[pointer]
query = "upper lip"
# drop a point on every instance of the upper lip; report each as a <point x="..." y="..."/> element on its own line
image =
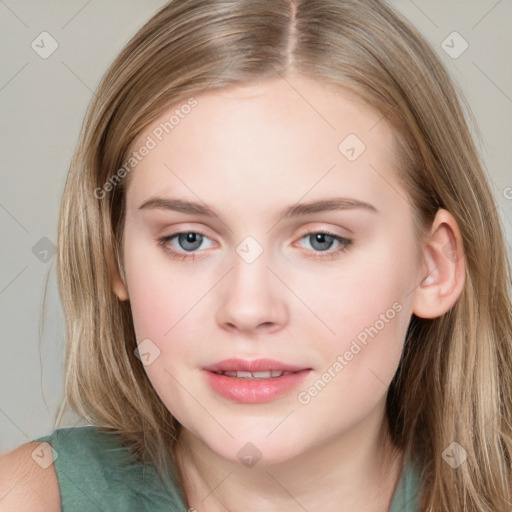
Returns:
<point x="255" y="365"/>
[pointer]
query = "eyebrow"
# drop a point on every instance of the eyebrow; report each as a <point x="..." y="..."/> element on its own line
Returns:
<point x="324" y="205"/>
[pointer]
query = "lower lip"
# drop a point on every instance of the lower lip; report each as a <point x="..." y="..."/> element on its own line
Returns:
<point x="254" y="391"/>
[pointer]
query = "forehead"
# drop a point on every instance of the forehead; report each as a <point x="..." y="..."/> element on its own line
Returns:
<point x="283" y="136"/>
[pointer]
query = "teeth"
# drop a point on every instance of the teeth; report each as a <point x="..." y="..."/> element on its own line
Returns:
<point x="228" y="374"/>
<point x="254" y="375"/>
<point x="262" y="375"/>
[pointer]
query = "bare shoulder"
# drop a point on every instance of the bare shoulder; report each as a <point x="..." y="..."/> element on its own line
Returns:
<point x="28" y="480"/>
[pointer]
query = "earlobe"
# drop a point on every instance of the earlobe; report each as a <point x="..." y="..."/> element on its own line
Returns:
<point x="116" y="282"/>
<point x="443" y="277"/>
<point x="119" y="287"/>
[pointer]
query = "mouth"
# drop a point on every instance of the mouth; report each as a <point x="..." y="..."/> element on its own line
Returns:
<point x="270" y="374"/>
<point x="256" y="381"/>
<point x="256" y="367"/>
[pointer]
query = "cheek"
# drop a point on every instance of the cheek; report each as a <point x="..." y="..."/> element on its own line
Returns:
<point x="360" y="359"/>
<point x="157" y="296"/>
<point x="159" y="303"/>
<point x="363" y="310"/>
<point x="152" y="309"/>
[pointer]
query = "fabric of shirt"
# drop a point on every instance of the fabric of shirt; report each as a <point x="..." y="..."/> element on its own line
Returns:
<point x="96" y="472"/>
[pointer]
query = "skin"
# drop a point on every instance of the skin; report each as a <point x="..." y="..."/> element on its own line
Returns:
<point x="248" y="152"/>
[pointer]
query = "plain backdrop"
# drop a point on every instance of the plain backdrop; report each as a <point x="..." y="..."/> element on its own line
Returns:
<point x="42" y="104"/>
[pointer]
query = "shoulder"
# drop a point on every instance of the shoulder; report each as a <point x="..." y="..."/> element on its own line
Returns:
<point x="28" y="480"/>
<point x="84" y="468"/>
<point x="43" y="474"/>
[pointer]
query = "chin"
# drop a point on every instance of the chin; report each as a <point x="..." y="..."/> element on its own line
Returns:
<point x="250" y="450"/>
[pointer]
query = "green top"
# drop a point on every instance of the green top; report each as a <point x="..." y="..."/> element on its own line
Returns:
<point x="97" y="473"/>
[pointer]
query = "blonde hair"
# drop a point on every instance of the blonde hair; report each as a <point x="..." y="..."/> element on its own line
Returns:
<point x="454" y="382"/>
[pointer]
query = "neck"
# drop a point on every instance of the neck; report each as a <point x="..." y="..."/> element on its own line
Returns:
<point x="356" y="471"/>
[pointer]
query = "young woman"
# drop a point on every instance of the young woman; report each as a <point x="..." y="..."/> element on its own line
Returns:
<point x="284" y="277"/>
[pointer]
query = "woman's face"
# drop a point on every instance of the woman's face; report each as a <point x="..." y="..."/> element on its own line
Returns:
<point x="300" y="249"/>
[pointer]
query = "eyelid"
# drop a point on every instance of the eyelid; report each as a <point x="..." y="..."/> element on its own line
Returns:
<point x="309" y="229"/>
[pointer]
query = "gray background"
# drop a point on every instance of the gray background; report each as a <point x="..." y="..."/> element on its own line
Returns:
<point x="42" y="104"/>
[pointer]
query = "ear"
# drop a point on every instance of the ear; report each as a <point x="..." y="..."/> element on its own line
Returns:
<point x="117" y="283"/>
<point x="444" y="273"/>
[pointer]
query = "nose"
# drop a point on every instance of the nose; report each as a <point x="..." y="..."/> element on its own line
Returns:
<point x="252" y="299"/>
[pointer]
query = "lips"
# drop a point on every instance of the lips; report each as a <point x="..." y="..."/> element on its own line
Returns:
<point x="256" y="381"/>
<point x="270" y="374"/>
<point x="254" y="366"/>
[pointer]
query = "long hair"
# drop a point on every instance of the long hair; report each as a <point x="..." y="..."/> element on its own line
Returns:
<point x="454" y="381"/>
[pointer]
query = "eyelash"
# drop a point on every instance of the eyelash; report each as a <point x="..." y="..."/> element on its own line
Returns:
<point x="346" y="243"/>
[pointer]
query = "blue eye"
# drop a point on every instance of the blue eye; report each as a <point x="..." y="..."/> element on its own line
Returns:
<point x="190" y="241"/>
<point x="187" y="240"/>
<point x="322" y="241"/>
